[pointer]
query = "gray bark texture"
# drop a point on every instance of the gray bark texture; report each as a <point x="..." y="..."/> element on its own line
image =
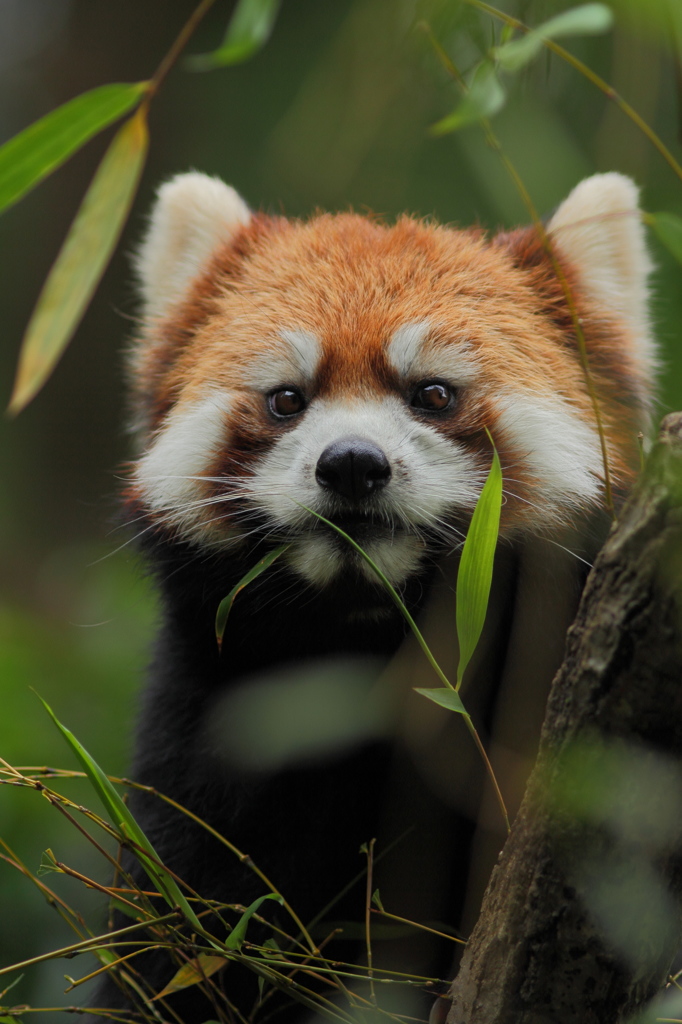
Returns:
<point x="581" y="919"/>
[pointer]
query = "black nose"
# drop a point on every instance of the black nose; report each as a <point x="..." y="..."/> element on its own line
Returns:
<point x="353" y="467"/>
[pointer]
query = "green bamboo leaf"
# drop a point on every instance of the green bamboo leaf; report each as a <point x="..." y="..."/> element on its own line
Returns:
<point x="225" y="605"/>
<point x="485" y="97"/>
<point x="82" y="259"/>
<point x="48" y="862"/>
<point x="122" y="819"/>
<point x="668" y="228"/>
<point x="42" y="147"/>
<point x="193" y="973"/>
<point x="449" y="699"/>
<point x="250" y="28"/>
<point x="236" y="937"/>
<point x="588" y="19"/>
<point x="272" y="950"/>
<point x="476" y="566"/>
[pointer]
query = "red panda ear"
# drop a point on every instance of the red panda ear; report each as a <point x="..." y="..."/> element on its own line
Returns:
<point x="193" y="215"/>
<point x="598" y="234"/>
<point x="598" y="231"/>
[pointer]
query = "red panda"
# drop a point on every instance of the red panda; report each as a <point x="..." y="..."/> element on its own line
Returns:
<point x="354" y="369"/>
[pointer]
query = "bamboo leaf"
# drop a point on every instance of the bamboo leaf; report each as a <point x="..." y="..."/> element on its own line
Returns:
<point x="668" y="228"/>
<point x="476" y="566"/>
<point x="193" y="973"/>
<point x="449" y="699"/>
<point x="236" y="937"/>
<point x="42" y="147"/>
<point x="225" y="605"/>
<point x="485" y="97"/>
<point x="249" y="30"/>
<point x="122" y="819"/>
<point x="48" y="862"/>
<point x="588" y="19"/>
<point x="82" y="259"/>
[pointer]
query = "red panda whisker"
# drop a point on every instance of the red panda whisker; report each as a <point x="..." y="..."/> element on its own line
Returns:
<point x="131" y="540"/>
<point x="568" y="551"/>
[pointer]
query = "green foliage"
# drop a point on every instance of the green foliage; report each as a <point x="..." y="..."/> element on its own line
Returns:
<point x="194" y="972"/>
<point x="483" y="99"/>
<point x="588" y="19"/>
<point x="38" y="150"/>
<point x="277" y="962"/>
<point x="82" y="260"/>
<point x="250" y="28"/>
<point x="42" y="147"/>
<point x="474" y="578"/>
<point x="476" y="566"/>
<point x="485" y="96"/>
<point x="445" y="697"/>
<point x="236" y="937"/>
<point x="124" y="822"/>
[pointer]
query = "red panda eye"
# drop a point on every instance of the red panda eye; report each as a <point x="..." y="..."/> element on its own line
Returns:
<point x="286" y="402"/>
<point x="433" y="397"/>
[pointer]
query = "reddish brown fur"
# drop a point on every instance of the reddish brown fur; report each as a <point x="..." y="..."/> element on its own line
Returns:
<point x="352" y="282"/>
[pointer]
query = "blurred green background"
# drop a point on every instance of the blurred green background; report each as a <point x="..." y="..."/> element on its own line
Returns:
<point x="333" y="113"/>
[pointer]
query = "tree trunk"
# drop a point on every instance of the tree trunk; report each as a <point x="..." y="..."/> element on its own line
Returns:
<point x="581" y="918"/>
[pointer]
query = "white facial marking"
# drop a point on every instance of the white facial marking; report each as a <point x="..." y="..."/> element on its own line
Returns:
<point x="316" y="558"/>
<point x="561" y="451"/>
<point x="183" y="451"/>
<point x="294" y="360"/>
<point x="397" y="558"/>
<point x="406" y="345"/>
<point x="320" y="558"/>
<point x="416" y="356"/>
<point x="431" y="477"/>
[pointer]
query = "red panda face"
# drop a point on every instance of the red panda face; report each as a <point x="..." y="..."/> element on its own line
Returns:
<point x="350" y="369"/>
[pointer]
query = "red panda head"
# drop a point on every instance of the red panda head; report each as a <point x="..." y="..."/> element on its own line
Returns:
<point x="354" y="368"/>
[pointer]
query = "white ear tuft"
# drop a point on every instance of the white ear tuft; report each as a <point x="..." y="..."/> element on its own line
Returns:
<point x="193" y="215"/>
<point x="599" y="230"/>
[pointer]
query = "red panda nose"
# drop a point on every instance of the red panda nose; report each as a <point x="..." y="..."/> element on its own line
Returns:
<point x="353" y="467"/>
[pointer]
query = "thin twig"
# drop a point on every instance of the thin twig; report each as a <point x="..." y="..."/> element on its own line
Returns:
<point x="88" y="944"/>
<point x="369" y="850"/>
<point x="178" y="46"/>
<point x="422" y="927"/>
